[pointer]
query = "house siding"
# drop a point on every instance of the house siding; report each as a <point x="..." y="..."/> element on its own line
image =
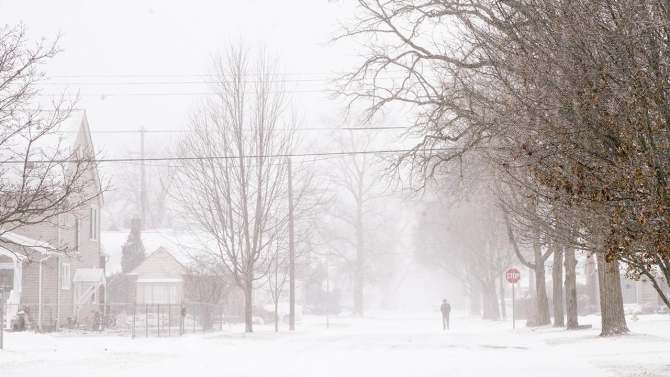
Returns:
<point x="58" y="303"/>
<point x="30" y="292"/>
<point x="159" y="265"/>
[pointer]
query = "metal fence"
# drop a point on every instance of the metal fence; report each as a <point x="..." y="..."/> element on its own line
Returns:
<point x="125" y="319"/>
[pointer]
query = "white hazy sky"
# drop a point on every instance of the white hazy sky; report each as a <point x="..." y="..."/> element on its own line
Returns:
<point x="136" y="63"/>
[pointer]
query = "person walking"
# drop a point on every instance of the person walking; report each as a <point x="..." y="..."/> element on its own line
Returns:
<point x="445" y="309"/>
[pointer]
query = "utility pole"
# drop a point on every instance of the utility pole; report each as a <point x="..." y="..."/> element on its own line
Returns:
<point x="143" y="183"/>
<point x="327" y="292"/>
<point x="291" y="250"/>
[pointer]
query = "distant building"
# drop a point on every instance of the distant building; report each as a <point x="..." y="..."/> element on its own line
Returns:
<point x="157" y="280"/>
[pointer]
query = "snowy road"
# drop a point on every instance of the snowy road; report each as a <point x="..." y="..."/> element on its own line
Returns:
<point x="388" y="346"/>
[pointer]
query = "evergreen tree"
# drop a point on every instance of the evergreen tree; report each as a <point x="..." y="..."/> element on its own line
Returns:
<point x="132" y="252"/>
<point x="117" y="288"/>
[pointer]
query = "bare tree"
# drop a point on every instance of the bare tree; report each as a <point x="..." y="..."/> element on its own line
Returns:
<point x="353" y="210"/>
<point x="279" y="269"/>
<point x="42" y="175"/>
<point x="204" y="286"/>
<point x="124" y="201"/>
<point x="573" y="92"/>
<point x="233" y="181"/>
<point x="278" y="275"/>
<point x="467" y="240"/>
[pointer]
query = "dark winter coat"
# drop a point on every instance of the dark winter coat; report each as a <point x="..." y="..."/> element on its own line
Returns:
<point x="445" y="309"/>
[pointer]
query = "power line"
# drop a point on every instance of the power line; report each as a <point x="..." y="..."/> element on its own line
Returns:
<point x="181" y="82"/>
<point x="325" y="79"/>
<point x="279" y="129"/>
<point x="282" y="162"/>
<point x="189" y="75"/>
<point x="204" y="158"/>
<point x="165" y="94"/>
<point x="205" y="75"/>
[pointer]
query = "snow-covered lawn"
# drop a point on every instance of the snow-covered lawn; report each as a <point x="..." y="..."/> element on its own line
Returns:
<point x="389" y="345"/>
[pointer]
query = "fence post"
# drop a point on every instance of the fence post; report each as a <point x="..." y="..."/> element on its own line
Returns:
<point x="146" y="319"/>
<point x="221" y="321"/>
<point x="169" y="319"/>
<point x="158" y="316"/>
<point x="193" y="321"/>
<point x="134" y="316"/>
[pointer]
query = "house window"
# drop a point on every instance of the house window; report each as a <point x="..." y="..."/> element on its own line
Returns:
<point x="173" y="294"/>
<point x="65" y="277"/>
<point x="148" y="294"/>
<point x="163" y="295"/>
<point x="77" y="234"/>
<point x="159" y="294"/>
<point x="94" y="224"/>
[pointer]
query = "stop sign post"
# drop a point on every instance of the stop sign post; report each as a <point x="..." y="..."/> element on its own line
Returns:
<point x="513" y="276"/>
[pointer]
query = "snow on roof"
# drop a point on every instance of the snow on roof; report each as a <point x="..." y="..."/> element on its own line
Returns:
<point x="39" y="246"/>
<point x="181" y="245"/>
<point x="11" y="254"/>
<point x="89" y="275"/>
<point x="58" y="144"/>
<point x="159" y="280"/>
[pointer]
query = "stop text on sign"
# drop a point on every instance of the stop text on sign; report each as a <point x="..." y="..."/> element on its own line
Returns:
<point x="513" y="275"/>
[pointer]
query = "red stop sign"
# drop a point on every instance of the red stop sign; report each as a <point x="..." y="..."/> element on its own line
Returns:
<point x="513" y="275"/>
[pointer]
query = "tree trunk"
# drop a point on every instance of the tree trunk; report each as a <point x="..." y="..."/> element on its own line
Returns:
<point x="571" y="288"/>
<point x="277" y="316"/>
<point x="486" y="303"/>
<point x="491" y="310"/>
<point x="495" y="310"/>
<point x="532" y="287"/>
<point x="543" y="317"/>
<point x="503" y="309"/>
<point x="591" y="278"/>
<point x="475" y="300"/>
<point x="359" y="269"/>
<point x="248" y="308"/>
<point x="557" y="282"/>
<point x="611" y="300"/>
<point x="358" y="293"/>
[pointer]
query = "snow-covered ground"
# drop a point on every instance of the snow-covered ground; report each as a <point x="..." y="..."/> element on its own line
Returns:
<point x="389" y="345"/>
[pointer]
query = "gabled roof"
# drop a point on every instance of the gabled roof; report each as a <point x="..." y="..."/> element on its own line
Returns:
<point x="89" y="275"/>
<point x="180" y="245"/>
<point x="23" y="241"/>
<point x="59" y="144"/>
<point x="160" y="250"/>
<point x="165" y="250"/>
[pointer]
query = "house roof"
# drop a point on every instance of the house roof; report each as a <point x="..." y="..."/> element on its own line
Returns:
<point x="56" y="145"/>
<point x="89" y="275"/>
<point x="166" y="280"/>
<point x="23" y="241"/>
<point x="6" y="252"/>
<point x="180" y="245"/>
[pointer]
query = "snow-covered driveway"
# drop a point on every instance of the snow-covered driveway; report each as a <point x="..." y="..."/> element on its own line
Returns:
<point x="393" y="345"/>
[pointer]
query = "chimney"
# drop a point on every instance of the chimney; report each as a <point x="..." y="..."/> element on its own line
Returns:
<point x="136" y="225"/>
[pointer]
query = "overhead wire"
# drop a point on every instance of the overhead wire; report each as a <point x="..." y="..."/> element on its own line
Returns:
<point x="208" y="80"/>
<point x="279" y="129"/>
<point x="205" y="75"/>
<point x="163" y="94"/>
<point x="203" y="158"/>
